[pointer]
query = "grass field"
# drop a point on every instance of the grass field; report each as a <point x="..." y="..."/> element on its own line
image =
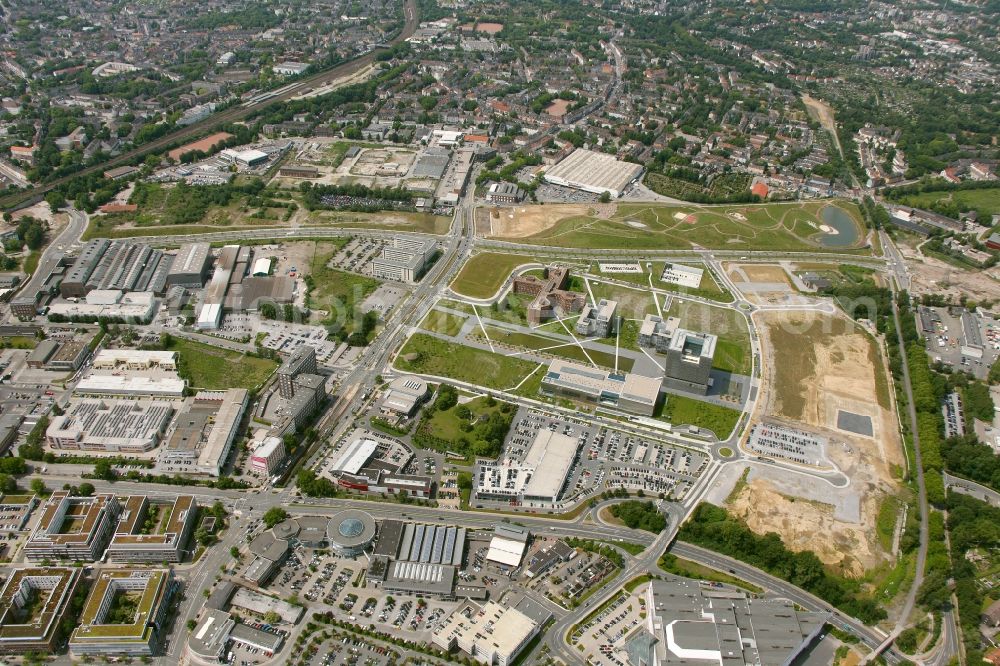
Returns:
<point x="434" y="356"/>
<point x="986" y="202"/>
<point x="772" y="226"/>
<point x="485" y="273"/>
<point x="18" y="342"/>
<point x="446" y="424"/>
<point x="569" y="351"/>
<point x="732" y="352"/>
<point x="208" y="367"/>
<point x="682" y="410"/>
<point x="446" y="323"/>
<point x="708" y="288"/>
<point x="632" y="303"/>
<point x="389" y="220"/>
<point x="335" y="291"/>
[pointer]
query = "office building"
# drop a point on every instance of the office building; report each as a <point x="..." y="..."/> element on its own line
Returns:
<point x="99" y="634"/>
<point x="404" y="259"/>
<point x="310" y="394"/>
<point x="69" y="356"/>
<point x="657" y="332"/>
<point x="206" y="646"/>
<point x="46" y="592"/>
<point x="598" y="320"/>
<point x="504" y="193"/>
<point x="73" y="528"/>
<point x="689" y="361"/>
<point x="190" y="266"/>
<point x="269" y="456"/>
<point x="551" y="298"/>
<point x="302" y="360"/>
<point x="111" y="426"/>
<point x="628" y="392"/>
<point x="268" y="551"/>
<point x="132" y="542"/>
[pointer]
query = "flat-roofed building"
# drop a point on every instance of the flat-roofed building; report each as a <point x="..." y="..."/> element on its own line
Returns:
<point x="73" y="528"/>
<point x="404" y="259"/>
<point x="625" y="391"/>
<point x="134" y="359"/>
<point x="132" y="542"/>
<point x="190" y="266"/>
<point x="504" y="193"/>
<point x="689" y="361"/>
<point x="598" y="320"/>
<point x="203" y="432"/>
<point x="551" y="298"/>
<point x="46" y="593"/>
<point x="69" y="357"/>
<point x="405" y="395"/>
<point x="594" y="172"/>
<point x="98" y="633"/>
<point x="657" y="332"/>
<point x="682" y="275"/>
<point x="41" y="354"/>
<point x="113" y="426"/>
<point x="15" y="511"/>
<point x="298" y="171"/>
<point x="302" y="360"/>
<point x="491" y="634"/>
<point x="692" y="624"/>
<point x="121" y="385"/>
<point x="539" y="477"/>
<point x="508" y="544"/>
<point x="269" y="456"/>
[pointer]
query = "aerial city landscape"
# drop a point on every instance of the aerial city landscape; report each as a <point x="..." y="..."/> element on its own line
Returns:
<point x="428" y="332"/>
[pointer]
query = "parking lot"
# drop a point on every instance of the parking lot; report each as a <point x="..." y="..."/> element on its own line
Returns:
<point x="604" y="636"/>
<point x="357" y="255"/>
<point x="607" y="458"/>
<point x="570" y="580"/>
<point x="961" y="339"/>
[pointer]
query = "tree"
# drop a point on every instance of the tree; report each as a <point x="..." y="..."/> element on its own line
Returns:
<point x="605" y="197"/>
<point x="191" y="624"/>
<point x="104" y="470"/>
<point x="272" y="617"/>
<point x="275" y="515"/>
<point x="38" y="487"/>
<point x="86" y="489"/>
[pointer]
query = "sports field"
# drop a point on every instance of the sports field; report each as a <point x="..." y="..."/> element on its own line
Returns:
<point x="772" y="226"/>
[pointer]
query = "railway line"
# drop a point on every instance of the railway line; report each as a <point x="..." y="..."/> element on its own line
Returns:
<point x="231" y="114"/>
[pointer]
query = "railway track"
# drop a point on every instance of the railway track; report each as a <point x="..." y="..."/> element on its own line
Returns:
<point x="229" y="115"/>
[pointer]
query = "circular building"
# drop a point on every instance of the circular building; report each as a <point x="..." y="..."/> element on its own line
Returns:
<point x="350" y="532"/>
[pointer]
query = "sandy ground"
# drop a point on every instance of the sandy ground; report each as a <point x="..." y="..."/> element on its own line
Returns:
<point x="930" y="275"/>
<point x="765" y="284"/>
<point x="524" y="221"/>
<point x="839" y="525"/>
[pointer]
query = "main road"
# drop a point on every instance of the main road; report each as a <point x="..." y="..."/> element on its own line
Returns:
<point x="232" y="114"/>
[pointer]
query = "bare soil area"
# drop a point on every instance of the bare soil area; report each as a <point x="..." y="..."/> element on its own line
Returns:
<point x="814" y="366"/>
<point x="931" y="275"/>
<point x="524" y="221"/>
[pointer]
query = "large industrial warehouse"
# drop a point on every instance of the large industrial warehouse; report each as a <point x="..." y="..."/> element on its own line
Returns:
<point x="594" y="172"/>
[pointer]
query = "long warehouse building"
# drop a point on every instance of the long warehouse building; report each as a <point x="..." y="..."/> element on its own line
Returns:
<point x="594" y="172"/>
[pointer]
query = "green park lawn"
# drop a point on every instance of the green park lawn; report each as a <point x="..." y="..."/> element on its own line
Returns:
<point x="446" y="323"/>
<point x="484" y="273"/>
<point x="433" y="356"/>
<point x="682" y="410"/>
<point x="771" y="226"/>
